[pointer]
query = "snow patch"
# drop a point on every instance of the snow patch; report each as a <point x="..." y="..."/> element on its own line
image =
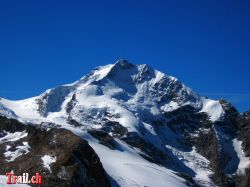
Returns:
<point x="213" y="109"/>
<point x="47" y="161"/>
<point x="20" y="150"/>
<point x="196" y="162"/>
<point x="244" y="161"/>
<point x="11" y="137"/>
<point x="102" y="71"/>
<point x="171" y="106"/>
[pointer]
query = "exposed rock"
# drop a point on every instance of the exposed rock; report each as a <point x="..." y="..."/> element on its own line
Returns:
<point x="148" y="150"/>
<point x="115" y="128"/>
<point x="243" y="180"/>
<point x="50" y="100"/>
<point x="76" y="164"/>
<point x="207" y="145"/>
<point x="71" y="104"/>
<point x="103" y="137"/>
<point x="243" y="124"/>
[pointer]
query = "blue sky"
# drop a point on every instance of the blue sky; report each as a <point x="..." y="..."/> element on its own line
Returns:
<point x="205" y="44"/>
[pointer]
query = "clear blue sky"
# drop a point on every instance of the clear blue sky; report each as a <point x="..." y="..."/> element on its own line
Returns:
<point x="205" y="44"/>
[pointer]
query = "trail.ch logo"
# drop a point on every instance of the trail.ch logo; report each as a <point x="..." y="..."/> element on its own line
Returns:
<point x="11" y="178"/>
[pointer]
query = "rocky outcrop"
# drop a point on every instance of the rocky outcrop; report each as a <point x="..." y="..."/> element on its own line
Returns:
<point x="74" y="163"/>
<point x="211" y="139"/>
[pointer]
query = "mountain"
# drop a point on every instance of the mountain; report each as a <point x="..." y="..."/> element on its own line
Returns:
<point x="147" y="128"/>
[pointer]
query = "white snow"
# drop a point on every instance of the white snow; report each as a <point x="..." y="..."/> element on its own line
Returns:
<point x="212" y="108"/>
<point x="132" y="98"/>
<point x="47" y="161"/>
<point x="23" y="110"/>
<point x="159" y="76"/>
<point x="102" y="71"/>
<point x="11" y="137"/>
<point x="88" y="99"/>
<point x="196" y="162"/>
<point x="244" y="161"/>
<point x="128" y="169"/>
<point x="5" y="111"/>
<point x="171" y="106"/>
<point x="20" y="150"/>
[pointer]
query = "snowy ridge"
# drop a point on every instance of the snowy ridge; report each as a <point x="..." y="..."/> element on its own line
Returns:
<point x="145" y="80"/>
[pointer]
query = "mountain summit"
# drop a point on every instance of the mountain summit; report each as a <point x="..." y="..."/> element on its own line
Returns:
<point x="130" y="84"/>
<point x="148" y="128"/>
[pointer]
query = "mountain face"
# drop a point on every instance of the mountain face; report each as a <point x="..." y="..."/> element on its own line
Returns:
<point x="147" y="128"/>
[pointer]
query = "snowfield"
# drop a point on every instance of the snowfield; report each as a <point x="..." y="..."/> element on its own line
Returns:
<point x="128" y="169"/>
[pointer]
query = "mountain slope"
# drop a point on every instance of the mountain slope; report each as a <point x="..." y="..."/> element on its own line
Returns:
<point x="139" y="119"/>
<point x="59" y="156"/>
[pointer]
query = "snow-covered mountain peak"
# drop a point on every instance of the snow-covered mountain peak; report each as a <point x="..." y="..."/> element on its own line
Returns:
<point x="130" y="86"/>
<point x="148" y="121"/>
<point x="123" y="64"/>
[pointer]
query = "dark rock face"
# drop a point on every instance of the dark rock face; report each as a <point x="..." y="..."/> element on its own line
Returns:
<point x="243" y="133"/>
<point x="76" y="164"/>
<point x="103" y="137"/>
<point x="243" y="125"/>
<point x="186" y="121"/>
<point x="148" y="150"/>
<point x="115" y="128"/>
<point x="208" y="146"/>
